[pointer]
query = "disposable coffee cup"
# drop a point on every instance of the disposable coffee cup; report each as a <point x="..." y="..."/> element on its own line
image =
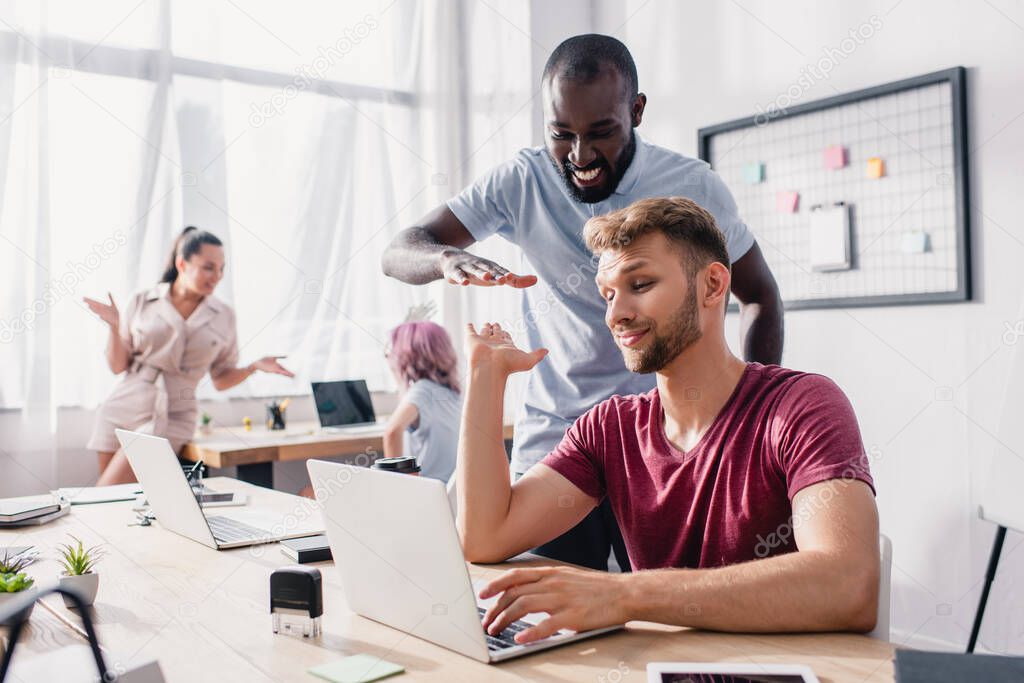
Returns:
<point x="403" y="464"/>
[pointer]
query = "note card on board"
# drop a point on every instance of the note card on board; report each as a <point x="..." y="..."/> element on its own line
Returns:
<point x="916" y="242"/>
<point x="835" y="157"/>
<point x="830" y="237"/>
<point x="753" y="173"/>
<point x="786" y="201"/>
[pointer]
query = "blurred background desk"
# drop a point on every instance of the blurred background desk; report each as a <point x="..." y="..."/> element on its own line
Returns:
<point x="254" y="452"/>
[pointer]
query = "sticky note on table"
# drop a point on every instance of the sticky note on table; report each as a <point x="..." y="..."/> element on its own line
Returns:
<point x="356" y="669"/>
<point x="876" y="167"/>
<point x="786" y="201"/>
<point x="835" y="157"/>
<point x="753" y="173"/>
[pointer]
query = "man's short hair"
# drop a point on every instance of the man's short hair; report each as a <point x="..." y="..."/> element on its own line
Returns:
<point x="580" y="59"/>
<point x="685" y="223"/>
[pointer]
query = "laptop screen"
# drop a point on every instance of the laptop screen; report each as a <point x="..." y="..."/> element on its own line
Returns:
<point x="341" y="403"/>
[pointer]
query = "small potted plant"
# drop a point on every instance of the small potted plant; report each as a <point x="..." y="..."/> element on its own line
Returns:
<point x="78" y="562"/>
<point x="205" y="426"/>
<point x="14" y="582"/>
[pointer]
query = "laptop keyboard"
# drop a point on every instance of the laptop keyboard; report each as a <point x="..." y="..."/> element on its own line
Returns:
<point x="227" y="530"/>
<point x="506" y="638"/>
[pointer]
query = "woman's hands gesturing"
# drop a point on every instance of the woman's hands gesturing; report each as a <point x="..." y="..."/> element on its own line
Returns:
<point x="108" y="313"/>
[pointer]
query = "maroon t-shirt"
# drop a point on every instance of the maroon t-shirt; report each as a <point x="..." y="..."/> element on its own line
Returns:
<point x="726" y="500"/>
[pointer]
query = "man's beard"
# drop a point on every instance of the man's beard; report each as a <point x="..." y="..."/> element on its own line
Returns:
<point x="592" y="195"/>
<point x="683" y="332"/>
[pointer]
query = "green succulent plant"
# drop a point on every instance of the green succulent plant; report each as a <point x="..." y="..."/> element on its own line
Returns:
<point x="15" y="583"/>
<point x="13" y="564"/>
<point x="77" y="559"/>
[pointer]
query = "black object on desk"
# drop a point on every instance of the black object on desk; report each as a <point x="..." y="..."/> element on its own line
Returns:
<point x="307" y="549"/>
<point x="403" y="464"/>
<point x="297" y="600"/>
<point x="275" y="416"/>
<point x="16" y="612"/>
<point x="913" y="666"/>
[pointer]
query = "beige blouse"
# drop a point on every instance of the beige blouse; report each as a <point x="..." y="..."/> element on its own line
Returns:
<point x="157" y="336"/>
<point x="169" y="357"/>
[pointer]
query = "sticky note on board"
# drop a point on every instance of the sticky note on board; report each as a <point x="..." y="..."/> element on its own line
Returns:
<point x="876" y="167"/>
<point x="753" y="173"/>
<point x="835" y="157"/>
<point x="356" y="669"/>
<point x="916" y="242"/>
<point x="787" y="201"/>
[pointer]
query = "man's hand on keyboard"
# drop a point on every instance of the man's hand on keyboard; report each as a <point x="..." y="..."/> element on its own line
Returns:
<point x="575" y="599"/>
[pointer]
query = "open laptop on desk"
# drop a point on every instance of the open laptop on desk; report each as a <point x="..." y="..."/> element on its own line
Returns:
<point x="171" y="498"/>
<point x="344" y="406"/>
<point x="394" y="543"/>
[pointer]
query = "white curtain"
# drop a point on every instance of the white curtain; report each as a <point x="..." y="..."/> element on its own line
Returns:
<point x="304" y="137"/>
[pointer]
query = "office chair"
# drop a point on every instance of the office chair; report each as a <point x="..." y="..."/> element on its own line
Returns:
<point x="881" y="630"/>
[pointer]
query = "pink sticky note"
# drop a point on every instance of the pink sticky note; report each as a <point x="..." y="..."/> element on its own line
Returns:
<point x="835" y="157"/>
<point x="786" y="202"/>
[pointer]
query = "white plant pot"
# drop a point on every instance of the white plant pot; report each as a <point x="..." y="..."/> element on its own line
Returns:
<point x="85" y="584"/>
<point x="7" y="597"/>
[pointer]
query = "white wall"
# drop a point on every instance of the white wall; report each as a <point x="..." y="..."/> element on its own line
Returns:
<point x="927" y="381"/>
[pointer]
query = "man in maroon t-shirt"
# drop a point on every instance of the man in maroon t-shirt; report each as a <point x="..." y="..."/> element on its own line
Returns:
<point x="742" y="490"/>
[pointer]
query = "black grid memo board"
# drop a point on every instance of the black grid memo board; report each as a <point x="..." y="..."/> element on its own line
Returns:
<point x="917" y="127"/>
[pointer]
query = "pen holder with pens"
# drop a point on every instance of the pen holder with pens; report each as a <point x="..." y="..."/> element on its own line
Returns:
<point x="194" y="474"/>
<point x="275" y="415"/>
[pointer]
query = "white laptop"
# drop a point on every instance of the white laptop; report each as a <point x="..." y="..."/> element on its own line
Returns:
<point x="171" y="498"/>
<point x="395" y="545"/>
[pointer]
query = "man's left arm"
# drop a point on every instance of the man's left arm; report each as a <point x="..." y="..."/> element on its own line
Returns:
<point x="761" y="333"/>
<point x="761" y="325"/>
<point x="829" y="584"/>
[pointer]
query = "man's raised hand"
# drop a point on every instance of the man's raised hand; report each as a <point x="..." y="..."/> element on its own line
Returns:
<point x="493" y="346"/>
<point x="462" y="268"/>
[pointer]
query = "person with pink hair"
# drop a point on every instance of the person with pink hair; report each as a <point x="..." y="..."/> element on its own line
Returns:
<point x="426" y="422"/>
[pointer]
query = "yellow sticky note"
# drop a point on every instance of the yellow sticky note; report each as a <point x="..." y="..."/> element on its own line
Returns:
<point x="356" y="669"/>
<point x="876" y="167"/>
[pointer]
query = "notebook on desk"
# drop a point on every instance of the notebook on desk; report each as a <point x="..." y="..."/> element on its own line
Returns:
<point x="308" y="549"/>
<point x="20" y="509"/>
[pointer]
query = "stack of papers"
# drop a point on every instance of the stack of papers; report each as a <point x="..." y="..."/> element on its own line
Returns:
<point x="28" y="511"/>
<point x="87" y="495"/>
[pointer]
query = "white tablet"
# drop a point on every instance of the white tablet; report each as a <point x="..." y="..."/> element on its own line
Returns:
<point x="702" y="672"/>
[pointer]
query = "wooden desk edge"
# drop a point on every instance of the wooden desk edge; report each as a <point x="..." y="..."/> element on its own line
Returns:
<point x="288" y="449"/>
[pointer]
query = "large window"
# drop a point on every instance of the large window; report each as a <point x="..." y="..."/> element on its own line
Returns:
<point x="305" y="136"/>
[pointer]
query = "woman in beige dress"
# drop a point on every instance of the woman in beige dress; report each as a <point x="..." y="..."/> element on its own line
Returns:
<point x="164" y="342"/>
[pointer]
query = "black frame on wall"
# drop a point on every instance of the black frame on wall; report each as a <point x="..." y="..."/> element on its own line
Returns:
<point x="957" y="78"/>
